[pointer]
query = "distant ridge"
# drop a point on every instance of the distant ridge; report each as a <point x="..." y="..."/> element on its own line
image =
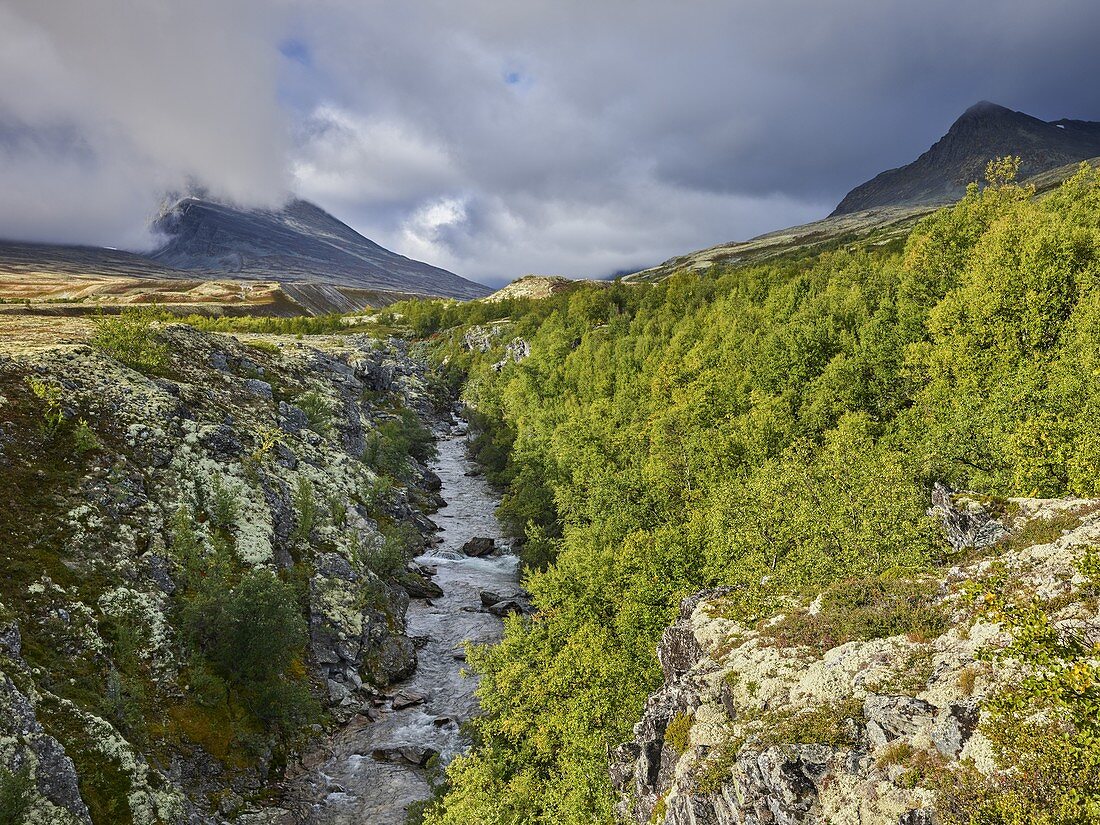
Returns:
<point x="220" y="258"/>
<point x="298" y="243"/>
<point x="982" y="132"/>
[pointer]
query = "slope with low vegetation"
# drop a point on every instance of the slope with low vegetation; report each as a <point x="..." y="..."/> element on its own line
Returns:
<point x="202" y="547"/>
<point x="775" y="430"/>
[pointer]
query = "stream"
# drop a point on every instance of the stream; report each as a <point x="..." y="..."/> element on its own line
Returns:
<point x="366" y="790"/>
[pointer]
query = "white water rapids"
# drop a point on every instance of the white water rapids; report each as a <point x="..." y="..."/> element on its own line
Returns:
<point x="357" y="787"/>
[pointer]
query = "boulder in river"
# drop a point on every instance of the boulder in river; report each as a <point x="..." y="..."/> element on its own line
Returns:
<point x="407" y="699"/>
<point x="410" y="754"/>
<point x="488" y="597"/>
<point x="506" y="607"/>
<point x="419" y="586"/>
<point x="479" y="546"/>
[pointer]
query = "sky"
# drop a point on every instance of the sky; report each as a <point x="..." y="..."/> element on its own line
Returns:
<point x="494" y="138"/>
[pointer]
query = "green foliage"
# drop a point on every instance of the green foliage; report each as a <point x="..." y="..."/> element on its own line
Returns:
<point x="244" y="629"/>
<point x="317" y="410"/>
<point x="305" y="506"/>
<point x="16" y="788"/>
<point x="387" y="558"/>
<point x="678" y="732"/>
<point x="84" y="438"/>
<point x="131" y="339"/>
<point x="774" y="428"/>
<point x="50" y="394"/>
<point x="223" y="501"/>
<point x="393" y="440"/>
<point x="297" y="325"/>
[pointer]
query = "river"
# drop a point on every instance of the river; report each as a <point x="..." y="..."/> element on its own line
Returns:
<point x="357" y="786"/>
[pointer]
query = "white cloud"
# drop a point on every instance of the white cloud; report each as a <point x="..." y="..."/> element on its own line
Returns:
<point x="500" y="138"/>
<point x="347" y="158"/>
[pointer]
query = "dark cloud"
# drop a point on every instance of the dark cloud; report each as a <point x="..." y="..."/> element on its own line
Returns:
<point x="497" y="139"/>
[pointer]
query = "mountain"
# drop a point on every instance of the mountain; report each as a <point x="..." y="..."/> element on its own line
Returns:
<point x="983" y="132"/>
<point x="882" y="223"/>
<point x="300" y="242"/>
<point x="218" y="258"/>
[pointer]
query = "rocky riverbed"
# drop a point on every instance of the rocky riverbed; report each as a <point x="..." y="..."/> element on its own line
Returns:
<point x="382" y="761"/>
<point x="147" y="503"/>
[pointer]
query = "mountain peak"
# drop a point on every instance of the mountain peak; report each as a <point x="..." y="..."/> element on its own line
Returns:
<point x="298" y="243"/>
<point x="983" y="132"/>
<point x="984" y="108"/>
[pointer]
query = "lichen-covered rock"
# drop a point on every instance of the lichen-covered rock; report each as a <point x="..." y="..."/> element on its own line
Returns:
<point x="25" y="745"/>
<point x="261" y="448"/>
<point x="746" y="732"/>
<point x="966" y="521"/>
<point x="515" y="351"/>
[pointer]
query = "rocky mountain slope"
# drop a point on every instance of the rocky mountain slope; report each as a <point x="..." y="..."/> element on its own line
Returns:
<point x="168" y="523"/>
<point x="810" y="718"/>
<point x="220" y="259"/>
<point x="298" y="243"/>
<point x="867" y="228"/>
<point x="983" y="132"/>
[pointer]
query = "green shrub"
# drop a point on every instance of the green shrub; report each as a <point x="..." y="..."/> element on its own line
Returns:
<point x="392" y="441"/>
<point x="207" y="688"/>
<point x="16" y="795"/>
<point x="252" y="632"/>
<point x="678" y="732"/>
<point x="84" y="438"/>
<point x="258" y="631"/>
<point x="305" y="507"/>
<point x="387" y="558"/>
<point x="130" y="338"/>
<point x="317" y="410"/>
<point x="224" y="504"/>
<point x="50" y="393"/>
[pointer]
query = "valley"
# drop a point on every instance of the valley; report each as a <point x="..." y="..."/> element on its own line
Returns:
<point x="802" y="530"/>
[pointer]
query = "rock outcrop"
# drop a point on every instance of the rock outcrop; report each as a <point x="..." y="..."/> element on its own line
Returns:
<point x="255" y="446"/>
<point x="750" y="730"/>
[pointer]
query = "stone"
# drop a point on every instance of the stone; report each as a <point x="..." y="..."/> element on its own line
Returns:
<point x="506" y="608"/>
<point x="488" y="597"/>
<point x="407" y="699"/>
<point x="892" y="717"/>
<point x="966" y="523"/>
<point x="479" y="546"/>
<point x="954" y="725"/>
<point x="419" y="586"/>
<point x="260" y="388"/>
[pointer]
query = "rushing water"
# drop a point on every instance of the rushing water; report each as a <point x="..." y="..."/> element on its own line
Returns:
<point x="360" y="789"/>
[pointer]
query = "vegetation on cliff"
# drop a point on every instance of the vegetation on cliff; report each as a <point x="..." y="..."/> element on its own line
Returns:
<point x="774" y="429"/>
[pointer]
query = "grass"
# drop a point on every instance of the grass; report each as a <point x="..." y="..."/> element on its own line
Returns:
<point x="1038" y="531"/>
<point x="833" y="723"/>
<point x="862" y="609"/>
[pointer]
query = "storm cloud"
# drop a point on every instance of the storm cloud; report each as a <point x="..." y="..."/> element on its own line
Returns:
<point x="493" y="138"/>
